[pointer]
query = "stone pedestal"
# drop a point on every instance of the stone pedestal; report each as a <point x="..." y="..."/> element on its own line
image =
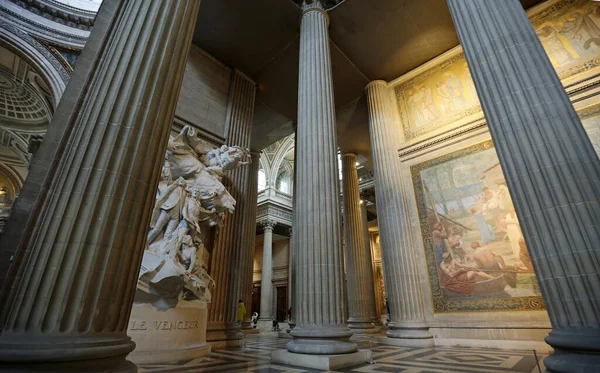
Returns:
<point x="551" y="168"/>
<point x="361" y="304"/>
<point x="168" y="336"/>
<point x="402" y="277"/>
<point x="74" y="281"/>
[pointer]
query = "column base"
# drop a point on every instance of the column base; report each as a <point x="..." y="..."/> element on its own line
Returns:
<point x="407" y="342"/>
<point x="321" y="362"/>
<point x="576" y="351"/>
<point x="362" y="327"/>
<point x="107" y="365"/>
<point x="321" y="341"/>
<point x="43" y="349"/>
<point x="418" y="331"/>
<point x="372" y="330"/>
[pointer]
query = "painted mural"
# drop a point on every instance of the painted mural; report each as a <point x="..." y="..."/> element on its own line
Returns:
<point x="477" y="258"/>
<point x="444" y="94"/>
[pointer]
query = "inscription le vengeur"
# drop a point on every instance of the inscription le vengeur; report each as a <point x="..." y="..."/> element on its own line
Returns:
<point x="164" y="325"/>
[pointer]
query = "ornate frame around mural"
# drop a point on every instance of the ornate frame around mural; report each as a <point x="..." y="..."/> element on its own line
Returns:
<point x="537" y="15"/>
<point x="474" y="112"/>
<point x="441" y="305"/>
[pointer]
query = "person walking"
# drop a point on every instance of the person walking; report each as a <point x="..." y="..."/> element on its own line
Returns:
<point x="241" y="313"/>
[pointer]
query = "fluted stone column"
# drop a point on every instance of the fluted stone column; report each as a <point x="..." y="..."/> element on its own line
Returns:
<point x="230" y="254"/>
<point x="361" y="306"/>
<point x="370" y="274"/>
<point x="266" y="283"/>
<point x="249" y="240"/>
<point x="319" y="290"/>
<point x="402" y="277"/>
<point x="73" y="292"/>
<point x="551" y="168"/>
<point x="293" y="244"/>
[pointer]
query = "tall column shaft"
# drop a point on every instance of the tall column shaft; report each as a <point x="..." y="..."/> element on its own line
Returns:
<point x="402" y="277"/>
<point x="230" y="252"/>
<point x="358" y="268"/>
<point x="73" y="293"/>
<point x="319" y="296"/>
<point x="266" y="283"/>
<point x="249" y="240"/>
<point x="550" y="166"/>
<point x="293" y="244"/>
<point x="370" y="274"/>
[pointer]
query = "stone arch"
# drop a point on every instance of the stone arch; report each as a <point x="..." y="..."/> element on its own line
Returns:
<point x="38" y="57"/>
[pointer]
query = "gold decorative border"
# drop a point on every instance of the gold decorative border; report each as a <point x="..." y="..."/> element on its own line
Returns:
<point x="440" y="304"/>
<point x="475" y="112"/>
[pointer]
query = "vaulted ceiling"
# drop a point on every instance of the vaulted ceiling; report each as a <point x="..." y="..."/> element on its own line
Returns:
<point x="369" y="40"/>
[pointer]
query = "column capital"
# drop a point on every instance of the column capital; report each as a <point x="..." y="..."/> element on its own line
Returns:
<point x="244" y="76"/>
<point x="314" y="6"/>
<point x="268" y="224"/>
<point x="376" y="83"/>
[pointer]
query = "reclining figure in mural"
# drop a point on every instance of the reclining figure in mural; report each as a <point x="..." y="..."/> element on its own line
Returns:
<point x="190" y="198"/>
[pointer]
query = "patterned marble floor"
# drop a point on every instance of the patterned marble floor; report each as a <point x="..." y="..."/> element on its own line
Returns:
<point x="255" y="357"/>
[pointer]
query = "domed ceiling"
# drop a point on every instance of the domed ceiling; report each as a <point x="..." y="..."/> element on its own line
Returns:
<point x="24" y="104"/>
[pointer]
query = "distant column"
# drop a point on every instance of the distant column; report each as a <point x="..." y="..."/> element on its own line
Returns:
<point x="402" y="277"/>
<point x="230" y="253"/>
<point x="73" y="290"/>
<point x="249" y="240"/>
<point x="266" y="284"/>
<point x="370" y="274"/>
<point x="551" y="168"/>
<point x="361" y="305"/>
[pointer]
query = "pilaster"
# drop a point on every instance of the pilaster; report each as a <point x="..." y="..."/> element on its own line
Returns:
<point x="230" y="254"/>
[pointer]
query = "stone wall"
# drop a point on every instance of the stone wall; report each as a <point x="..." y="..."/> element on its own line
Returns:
<point x="204" y="93"/>
<point x="441" y="122"/>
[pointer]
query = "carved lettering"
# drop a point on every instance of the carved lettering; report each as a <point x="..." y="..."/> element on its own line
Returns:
<point x="165" y="325"/>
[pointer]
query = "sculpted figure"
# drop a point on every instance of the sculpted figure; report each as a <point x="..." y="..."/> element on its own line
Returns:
<point x="172" y="267"/>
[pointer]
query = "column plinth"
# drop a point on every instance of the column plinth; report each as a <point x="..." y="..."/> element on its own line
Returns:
<point x="319" y="308"/>
<point x="266" y="283"/>
<point x="73" y="289"/>
<point x="361" y="304"/>
<point x="401" y="275"/>
<point x="551" y="168"/>
<point x="230" y="254"/>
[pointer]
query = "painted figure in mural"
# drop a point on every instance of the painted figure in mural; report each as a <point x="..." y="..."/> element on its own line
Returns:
<point x="459" y="278"/>
<point x="451" y="93"/>
<point x="486" y="230"/>
<point x="439" y="246"/>
<point x="172" y="266"/>
<point x="513" y="231"/>
<point x="421" y="105"/>
<point x="554" y="46"/>
<point x="469" y="83"/>
<point x="582" y="30"/>
<point x="427" y="105"/>
<point x="486" y="259"/>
